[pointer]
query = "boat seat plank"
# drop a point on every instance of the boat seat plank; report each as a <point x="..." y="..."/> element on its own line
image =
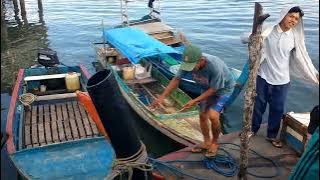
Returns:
<point x="78" y="119"/>
<point x="86" y="122"/>
<point x="62" y="135"/>
<point x="56" y="96"/>
<point x="27" y="129"/>
<point x="66" y="121"/>
<point x="34" y="127"/>
<point x="43" y="77"/>
<point x="47" y="124"/>
<point x="152" y="28"/>
<point x="54" y="125"/>
<point x="141" y="81"/>
<point x="41" y="131"/>
<point x="73" y="124"/>
<point x="170" y="41"/>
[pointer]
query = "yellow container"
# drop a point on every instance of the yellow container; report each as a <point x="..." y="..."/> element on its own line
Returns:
<point x="128" y="73"/>
<point x="72" y="81"/>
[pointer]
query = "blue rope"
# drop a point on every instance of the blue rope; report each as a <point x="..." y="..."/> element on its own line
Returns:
<point x="223" y="164"/>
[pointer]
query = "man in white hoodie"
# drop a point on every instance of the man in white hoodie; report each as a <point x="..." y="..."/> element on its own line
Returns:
<point x="283" y="53"/>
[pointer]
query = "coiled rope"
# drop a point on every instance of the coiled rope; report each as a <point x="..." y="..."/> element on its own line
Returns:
<point x="223" y="164"/>
<point x="27" y="99"/>
<point x="127" y="165"/>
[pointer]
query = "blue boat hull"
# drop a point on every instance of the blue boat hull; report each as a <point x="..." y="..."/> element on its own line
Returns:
<point x="88" y="157"/>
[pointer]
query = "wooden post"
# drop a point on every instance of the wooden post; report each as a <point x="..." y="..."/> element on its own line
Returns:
<point x="23" y="12"/>
<point x="255" y="45"/>
<point x="16" y="11"/>
<point x="40" y="10"/>
<point x="4" y="31"/>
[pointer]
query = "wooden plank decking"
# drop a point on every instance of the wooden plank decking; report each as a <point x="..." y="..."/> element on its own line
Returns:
<point x="54" y="123"/>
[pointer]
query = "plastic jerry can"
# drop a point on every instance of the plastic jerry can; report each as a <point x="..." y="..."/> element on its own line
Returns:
<point x="72" y="81"/>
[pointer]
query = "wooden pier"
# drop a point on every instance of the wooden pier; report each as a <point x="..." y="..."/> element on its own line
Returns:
<point x="285" y="157"/>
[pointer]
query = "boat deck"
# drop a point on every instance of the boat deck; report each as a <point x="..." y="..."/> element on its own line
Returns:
<point x="284" y="157"/>
<point x="49" y="123"/>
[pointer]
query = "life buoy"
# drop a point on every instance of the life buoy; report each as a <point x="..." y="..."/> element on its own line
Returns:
<point x="87" y="103"/>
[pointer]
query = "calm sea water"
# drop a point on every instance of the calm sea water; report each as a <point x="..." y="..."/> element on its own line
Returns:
<point x="71" y="26"/>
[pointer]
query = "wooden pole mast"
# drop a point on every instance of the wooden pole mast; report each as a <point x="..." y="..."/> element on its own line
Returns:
<point x="255" y="45"/>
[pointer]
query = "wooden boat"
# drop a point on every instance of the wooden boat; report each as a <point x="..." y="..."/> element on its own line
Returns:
<point x="167" y="65"/>
<point x="53" y="137"/>
<point x="183" y="127"/>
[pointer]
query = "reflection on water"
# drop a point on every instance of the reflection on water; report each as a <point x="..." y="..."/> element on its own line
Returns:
<point x="19" y="41"/>
<point x="71" y="26"/>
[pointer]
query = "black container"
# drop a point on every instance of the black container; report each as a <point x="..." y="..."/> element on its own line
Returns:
<point x="114" y="113"/>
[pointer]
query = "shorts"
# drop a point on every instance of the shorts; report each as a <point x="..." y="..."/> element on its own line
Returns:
<point x="214" y="102"/>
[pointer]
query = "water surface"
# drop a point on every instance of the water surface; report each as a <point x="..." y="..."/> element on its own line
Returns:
<point x="71" y="26"/>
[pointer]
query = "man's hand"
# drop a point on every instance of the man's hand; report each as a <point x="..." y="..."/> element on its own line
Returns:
<point x="188" y="105"/>
<point x="156" y="103"/>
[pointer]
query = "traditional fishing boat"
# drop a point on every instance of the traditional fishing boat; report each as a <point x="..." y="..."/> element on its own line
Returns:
<point x="50" y="135"/>
<point x="140" y="83"/>
<point x="168" y="65"/>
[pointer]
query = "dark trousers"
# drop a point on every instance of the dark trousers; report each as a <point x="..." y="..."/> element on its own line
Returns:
<point x="276" y="96"/>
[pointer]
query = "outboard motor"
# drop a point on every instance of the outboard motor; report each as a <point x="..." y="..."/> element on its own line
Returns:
<point x="48" y="58"/>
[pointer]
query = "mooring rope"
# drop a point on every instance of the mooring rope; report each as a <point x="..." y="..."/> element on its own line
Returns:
<point x="127" y="165"/>
<point x="27" y="99"/>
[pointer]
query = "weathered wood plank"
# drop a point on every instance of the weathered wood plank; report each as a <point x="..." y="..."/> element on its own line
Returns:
<point x="47" y="123"/>
<point x="62" y="135"/>
<point x="93" y="125"/>
<point x="78" y="119"/>
<point x="54" y="126"/>
<point x="41" y="131"/>
<point x="73" y="124"/>
<point x="34" y="127"/>
<point x="56" y="96"/>
<point x="27" y="128"/>
<point x="66" y="121"/>
<point x="85" y="120"/>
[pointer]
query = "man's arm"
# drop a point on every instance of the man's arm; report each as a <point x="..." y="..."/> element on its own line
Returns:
<point x="200" y="98"/>
<point x="172" y="85"/>
<point x="205" y="95"/>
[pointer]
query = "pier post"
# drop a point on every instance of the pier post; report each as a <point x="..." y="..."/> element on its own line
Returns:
<point x="16" y="11"/>
<point x="4" y="31"/>
<point x="254" y="46"/>
<point x="40" y="10"/>
<point x="23" y="12"/>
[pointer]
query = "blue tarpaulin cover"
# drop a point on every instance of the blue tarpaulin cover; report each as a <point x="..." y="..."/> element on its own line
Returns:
<point x="136" y="44"/>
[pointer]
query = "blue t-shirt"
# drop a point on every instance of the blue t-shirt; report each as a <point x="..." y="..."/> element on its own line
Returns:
<point x="215" y="74"/>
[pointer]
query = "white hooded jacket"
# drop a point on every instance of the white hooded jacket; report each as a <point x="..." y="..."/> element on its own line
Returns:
<point x="301" y="65"/>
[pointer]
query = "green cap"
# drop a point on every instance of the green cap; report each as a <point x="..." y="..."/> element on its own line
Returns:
<point x="191" y="57"/>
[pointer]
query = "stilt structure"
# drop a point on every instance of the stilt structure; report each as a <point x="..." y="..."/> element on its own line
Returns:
<point x="255" y="46"/>
<point x="154" y="10"/>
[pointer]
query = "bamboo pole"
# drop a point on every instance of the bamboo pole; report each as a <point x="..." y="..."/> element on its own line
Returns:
<point x="254" y="46"/>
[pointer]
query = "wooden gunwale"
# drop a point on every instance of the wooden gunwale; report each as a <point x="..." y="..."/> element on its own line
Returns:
<point x="10" y="118"/>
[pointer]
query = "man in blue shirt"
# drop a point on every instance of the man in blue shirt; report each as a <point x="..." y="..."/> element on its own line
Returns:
<point x="216" y="82"/>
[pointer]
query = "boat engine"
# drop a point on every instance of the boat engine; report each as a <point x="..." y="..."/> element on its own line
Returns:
<point x="48" y="58"/>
